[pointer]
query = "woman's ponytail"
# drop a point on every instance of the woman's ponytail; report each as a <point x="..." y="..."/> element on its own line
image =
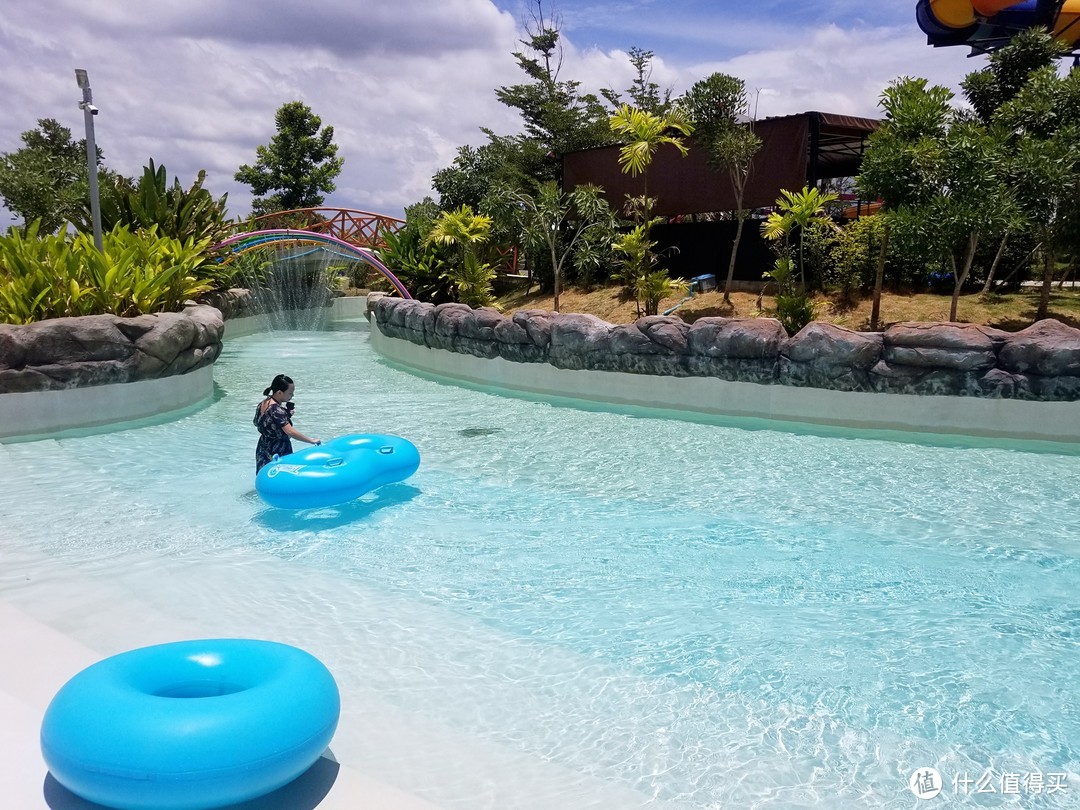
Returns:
<point x="280" y="383"/>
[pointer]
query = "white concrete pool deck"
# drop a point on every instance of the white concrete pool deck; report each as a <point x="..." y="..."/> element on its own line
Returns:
<point x="38" y="660"/>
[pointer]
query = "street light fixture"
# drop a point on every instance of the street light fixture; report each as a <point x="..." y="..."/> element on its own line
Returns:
<point x="89" y="111"/>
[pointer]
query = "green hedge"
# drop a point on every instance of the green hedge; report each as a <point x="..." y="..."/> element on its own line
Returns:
<point x="56" y="275"/>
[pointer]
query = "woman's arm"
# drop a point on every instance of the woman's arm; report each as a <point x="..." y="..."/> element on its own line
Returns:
<point x="296" y="434"/>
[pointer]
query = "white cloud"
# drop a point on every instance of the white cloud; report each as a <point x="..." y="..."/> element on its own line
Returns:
<point x="195" y="84"/>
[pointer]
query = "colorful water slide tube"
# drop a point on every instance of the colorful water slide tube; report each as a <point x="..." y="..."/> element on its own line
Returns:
<point x="985" y="24"/>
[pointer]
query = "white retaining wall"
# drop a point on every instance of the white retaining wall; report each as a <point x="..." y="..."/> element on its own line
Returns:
<point x="1050" y="421"/>
<point x="36" y="413"/>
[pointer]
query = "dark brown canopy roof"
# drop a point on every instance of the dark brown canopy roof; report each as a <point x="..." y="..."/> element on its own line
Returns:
<point x="796" y="150"/>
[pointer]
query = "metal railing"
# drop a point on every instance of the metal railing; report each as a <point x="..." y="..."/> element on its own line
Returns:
<point x="360" y="228"/>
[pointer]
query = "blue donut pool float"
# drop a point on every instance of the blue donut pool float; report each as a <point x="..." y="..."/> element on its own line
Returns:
<point x="190" y="725"/>
<point x="338" y="471"/>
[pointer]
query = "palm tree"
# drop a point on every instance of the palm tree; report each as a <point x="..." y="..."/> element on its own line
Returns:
<point x="796" y="209"/>
<point x="644" y="133"/>
<point x="466" y="230"/>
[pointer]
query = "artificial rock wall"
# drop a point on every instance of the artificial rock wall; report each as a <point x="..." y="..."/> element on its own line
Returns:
<point x="1040" y="363"/>
<point x="64" y="353"/>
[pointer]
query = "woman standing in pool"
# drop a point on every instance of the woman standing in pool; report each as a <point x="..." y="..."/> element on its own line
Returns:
<point x="274" y="421"/>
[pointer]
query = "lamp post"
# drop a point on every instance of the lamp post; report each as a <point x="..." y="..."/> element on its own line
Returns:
<point x="89" y="111"/>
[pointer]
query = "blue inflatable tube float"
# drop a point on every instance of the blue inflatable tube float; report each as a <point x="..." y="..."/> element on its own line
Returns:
<point x="190" y="725"/>
<point x="337" y="471"/>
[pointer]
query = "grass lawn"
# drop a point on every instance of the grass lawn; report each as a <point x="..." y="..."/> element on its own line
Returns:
<point x="1010" y="312"/>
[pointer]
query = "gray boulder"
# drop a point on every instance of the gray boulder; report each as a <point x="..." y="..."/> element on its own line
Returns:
<point x="104" y="349"/>
<point x="537" y="325"/>
<point x="579" y="342"/>
<point x="823" y="355"/>
<point x="963" y="347"/>
<point x="1047" y="348"/>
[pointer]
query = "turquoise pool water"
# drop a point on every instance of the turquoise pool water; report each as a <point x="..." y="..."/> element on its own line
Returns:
<point x="570" y="608"/>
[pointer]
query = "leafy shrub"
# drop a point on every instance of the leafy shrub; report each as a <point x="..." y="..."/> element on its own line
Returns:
<point x="467" y="232"/>
<point x="54" y="276"/>
<point x="176" y="212"/>
<point x="419" y="263"/>
<point x="473" y="279"/>
<point x="794" y="306"/>
<point x="655" y="286"/>
<point x="795" y="310"/>
<point x="854" y="258"/>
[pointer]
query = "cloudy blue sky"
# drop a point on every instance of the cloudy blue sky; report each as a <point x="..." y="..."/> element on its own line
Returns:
<point x="194" y="84"/>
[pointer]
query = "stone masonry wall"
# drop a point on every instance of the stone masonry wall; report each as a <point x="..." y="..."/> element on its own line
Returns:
<point x="92" y="350"/>
<point x="1040" y="363"/>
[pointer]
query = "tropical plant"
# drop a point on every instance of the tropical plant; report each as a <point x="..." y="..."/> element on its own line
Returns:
<point x="643" y="133"/>
<point x="175" y="211"/>
<point x="251" y="269"/>
<point x="467" y="231"/>
<point x="559" y="220"/>
<point x="297" y="167"/>
<point x="656" y="285"/>
<point x="794" y="211"/>
<point x="648" y="285"/>
<point x="53" y="276"/>
<point x="794" y="306"/>
<point x="420" y="263"/>
<point x="719" y="108"/>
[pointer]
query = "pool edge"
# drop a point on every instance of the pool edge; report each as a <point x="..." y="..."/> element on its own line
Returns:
<point x="909" y="413"/>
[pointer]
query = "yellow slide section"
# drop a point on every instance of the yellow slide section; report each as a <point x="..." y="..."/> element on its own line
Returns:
<point x="961" y="14"/>
<point x="953" y="13"/>
<point x="1067" y="24"/>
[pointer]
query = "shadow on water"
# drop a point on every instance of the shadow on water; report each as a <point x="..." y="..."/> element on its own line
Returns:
<point x="306" y="792"/>
<point x="333" y="517"/>
<point x="473" y="432"/>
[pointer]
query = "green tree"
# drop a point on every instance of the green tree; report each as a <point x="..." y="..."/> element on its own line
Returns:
<point x="719" y="108"/>
<point x="902" y="161"/>
<point x="643" y="92"/>
<point x="297" y="167"/>
<point x="470" y="177"/>
<point x="1008" y="70"/>
<point x="971" y="199"/>
<point x="559" y="220"/>
<point x="1043" y="125"/>
<point x="557" y="116"/>
<point x="46" y="179"/>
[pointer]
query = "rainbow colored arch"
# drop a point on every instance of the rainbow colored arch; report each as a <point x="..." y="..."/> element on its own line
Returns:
<point x="243" y="242"/>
